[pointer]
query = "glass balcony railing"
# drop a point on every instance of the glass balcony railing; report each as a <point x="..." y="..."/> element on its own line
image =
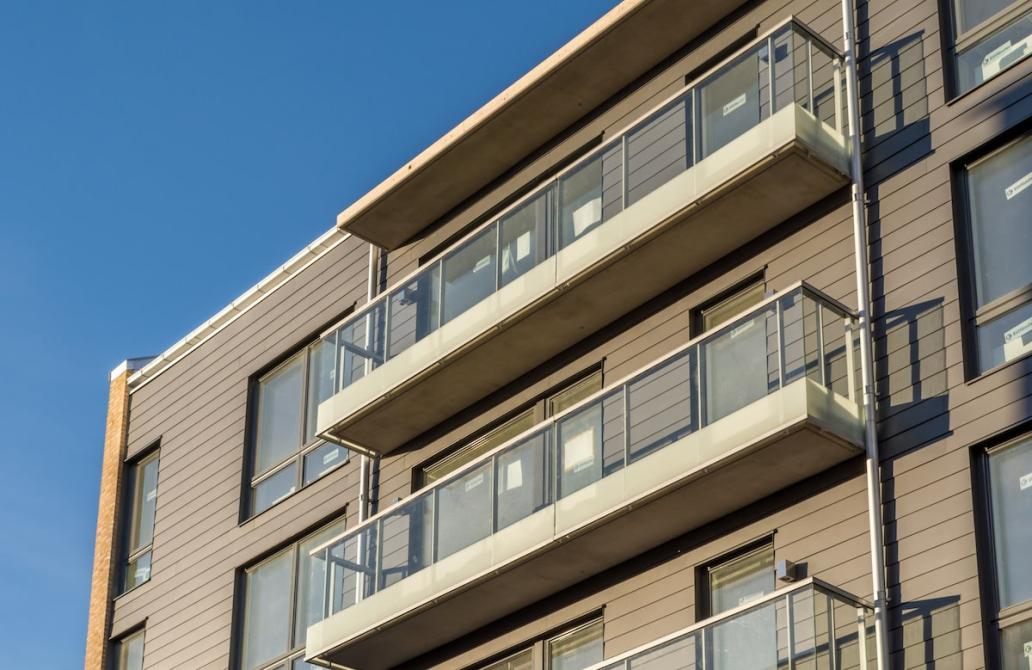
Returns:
<point x="810" y="625"/>
<point x="789" y="66"/>
<point x="799" y="335"/>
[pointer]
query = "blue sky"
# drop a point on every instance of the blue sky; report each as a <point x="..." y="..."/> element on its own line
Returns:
<point x="137" y="141"/>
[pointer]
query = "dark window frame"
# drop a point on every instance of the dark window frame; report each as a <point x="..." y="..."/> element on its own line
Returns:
<point x="128" y="515"/>
<point x="985" y="544"/>
<point x="249" y="480"/>
<point x="538" y="644"/>
<point x="115" y="645"/>
<point x="697" y="313"/>
<point x="703" y="604"/>
<point x="953" y="42"/>
<point x="971" y="315"/>
<point x="239" y="608"/>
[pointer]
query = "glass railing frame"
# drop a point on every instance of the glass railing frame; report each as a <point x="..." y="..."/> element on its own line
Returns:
<point x="373" y="358"/>
<point x="551" y="424"/>
<point x="786" y="592"/>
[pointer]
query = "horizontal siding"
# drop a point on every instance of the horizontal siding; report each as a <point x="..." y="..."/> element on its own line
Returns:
<point x="930" y="415"/>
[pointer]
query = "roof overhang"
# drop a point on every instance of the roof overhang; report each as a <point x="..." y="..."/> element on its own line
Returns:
<point x="613" y="52"/>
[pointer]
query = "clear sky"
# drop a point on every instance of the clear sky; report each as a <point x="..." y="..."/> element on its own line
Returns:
<point x="139" y="141"/>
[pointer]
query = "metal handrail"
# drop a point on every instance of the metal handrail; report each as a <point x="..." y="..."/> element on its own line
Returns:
<point x="614" y="138"/>
<point x="809" y="582"/>
<point x="714" y="333"/>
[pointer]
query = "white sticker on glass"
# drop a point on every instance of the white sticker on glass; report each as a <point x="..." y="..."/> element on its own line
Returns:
<point x="523" y="246"/>
<point x="152" y="494"/>
<point x="330" y="457"/>
<point x="474" y="482"/>
<point x="1018" y="186"/>
<point x="513" y="475"/>
<point x="734" y="104"/>
<point x="579" y="451"/>
<point x="1025" y="482"/>
<point x="482" y="263"/>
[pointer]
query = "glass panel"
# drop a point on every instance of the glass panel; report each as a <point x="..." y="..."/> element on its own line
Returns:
<point x="352" y="564"/>
<point x="742" y="580"/>
<point x="524" y="236"/>
<point x="320" y="383"/>
<point x="130" y="652"/>
<point x="145" y="487"/>
<point x="658" y="149"/>
<point x="464" y="513"/>
<point x="523" y="660"/>
<point x="580" y="201"/>
<point x="406" y="534"/>
<point x="677" y="654"/>
<point x="299" y="664"/>
<point x="1016" y="643"/>
<point x="267" y="610"/>
<point x="713" y="315"/>
<point x="994" y="54"/>
<point x="741" y="352"/>
<point x="523" y="479"/>
<point x="415" y="310"/>
<point x="1005" y="338"/>
<point x="1010" y="472"/>
<point x="322" y="460"/>
<point x="798" y="338"/>
<point x="279" y="415"/>
<point x="578" y="649"/>
<point x="138" y="571"/>
<point x="311" y="581"/>
<point x="275" y="488"/>
<point x="662" y="404"/>
<point x="469" y="274"/>
<point x="485" y="443"/>
<point x="750" y="640"/>
<point x="580" y="447"/>
<point x="1000" y="196"/>
<point x="574" y="393"/>
<point x="789" y="70"/>
<point x="970" y="13"/>
<point x="824" y="79"/>
<point x="360" y="346"/>
<point x="733" y="100"/>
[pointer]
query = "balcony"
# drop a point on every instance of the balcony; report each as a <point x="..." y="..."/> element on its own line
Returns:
<point x="737" y="152"/>
<point x="761" y="402"/>
<point x="810" y="625"/>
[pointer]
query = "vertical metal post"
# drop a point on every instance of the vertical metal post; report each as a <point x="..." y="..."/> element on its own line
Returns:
<point x="780" y="343"/>
<point x="861" y="638"/>
<point x="790" y="630"/>
<point x="327" y="585"/>
<point x="809" y="72"/>
<point x="626" y="391"/>
<point x="832" y="635"/>
<point x="873" y="464"/>
<point x="623" y="172"/>
<point x="698" y="386"/>
<point x="836" y="73"/>
<point x="821" y="361"/>
<point x="770" y="71"/>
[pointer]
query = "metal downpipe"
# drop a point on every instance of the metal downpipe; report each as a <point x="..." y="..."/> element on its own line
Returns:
<point x="873" y="464"/>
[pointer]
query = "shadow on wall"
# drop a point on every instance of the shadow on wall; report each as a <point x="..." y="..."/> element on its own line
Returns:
<point x="893" y="83"/>
<point x="926" y="634"/>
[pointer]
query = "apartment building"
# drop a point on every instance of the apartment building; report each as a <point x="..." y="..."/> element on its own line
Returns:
<point x="620" y="373"/>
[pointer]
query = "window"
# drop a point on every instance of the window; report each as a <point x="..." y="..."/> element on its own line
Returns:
<point x="128" y="652"/>
<point x="748" y="640"/>
<point x="988" y="37"/>
<point x="287" y="454"/>
<point x="1009" y="489"/>
<point x="727" y="305"/>
<point x="545" y="407"/>
<point x="142" y="489"/>
<point x="281" y="599"/>
<point x="573" y="649"/>
<point x="996" y="197"/>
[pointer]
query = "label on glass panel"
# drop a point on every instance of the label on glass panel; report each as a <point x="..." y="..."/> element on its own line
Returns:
<point x="579" y="451"/>
<point x="1018" y="186"/>
<point x="1025" y="482"/>
<point x="734" y="104"/>
<point x="474" y="482"/>
<point x="1017" y="340"/>
<point x="330" y="457"/>
<point x="152" y="494"/>
<point x="523" y="246"/>
<point x="482" y="263"/>
<point x="513" y="476"/>
<point x="1028" y="652"/>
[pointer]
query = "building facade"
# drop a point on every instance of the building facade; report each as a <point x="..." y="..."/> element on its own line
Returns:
<point x="583" y="384"/>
